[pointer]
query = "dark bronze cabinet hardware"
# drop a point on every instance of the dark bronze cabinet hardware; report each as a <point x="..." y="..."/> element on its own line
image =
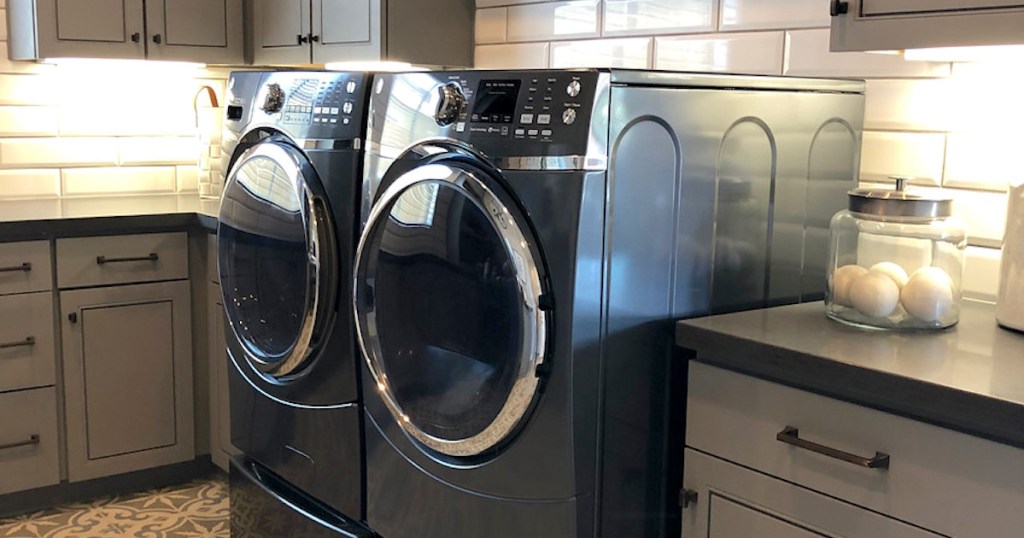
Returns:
<point x="73" y="317"/>
<point x="791" y="436"/>
<point x="302" y="39"/>
<point x="23" y="267"/>
<point x="151" y="257"/>
<point x="30" y="341"/>
<point x="158" y="39"/>
<point x="839" y="7"/>
<point x="136" y="37"/>
<point x="33" y="440"/>
<point x="687" y="497"/>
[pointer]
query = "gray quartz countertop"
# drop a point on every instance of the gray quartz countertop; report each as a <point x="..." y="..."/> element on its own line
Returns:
<point x="969" y="378"/>
<point x="42" y="219"/>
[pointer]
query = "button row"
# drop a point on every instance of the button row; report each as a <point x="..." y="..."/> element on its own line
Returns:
<point x="542" y="119"/>
<point x="533" y="132"/>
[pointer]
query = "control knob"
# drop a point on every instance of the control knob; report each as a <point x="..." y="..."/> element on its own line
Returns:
<point x="274" y="101"/>
<point x="569" y="116"/>
<point x="452" y="102"/>
<point x="573" y="89"/>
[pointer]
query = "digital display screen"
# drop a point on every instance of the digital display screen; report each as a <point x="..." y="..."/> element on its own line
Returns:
<point x="495" y="101"/>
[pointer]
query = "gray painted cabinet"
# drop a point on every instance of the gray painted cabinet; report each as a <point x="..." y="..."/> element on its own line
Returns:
<point x="207" y="31"/>
<point x="913" y="24"/>
<point x="298" y="32"/>
<point x="127" y="377"/>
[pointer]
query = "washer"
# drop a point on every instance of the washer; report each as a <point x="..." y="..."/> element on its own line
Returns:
<point x="288" y="225"/>
<point x="530" y="238"/>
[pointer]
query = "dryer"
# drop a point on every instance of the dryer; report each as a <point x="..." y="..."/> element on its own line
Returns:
<point x="529" y="239"/>
<point x="288" y="224"/>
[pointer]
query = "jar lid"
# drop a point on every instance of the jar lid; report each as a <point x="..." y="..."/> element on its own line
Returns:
<point x="898" y="202"/>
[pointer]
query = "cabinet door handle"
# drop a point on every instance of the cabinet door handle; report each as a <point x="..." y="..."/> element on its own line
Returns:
<point x="136" y="37"/>
<point x="314" y="38"/>
<point x="838" y="7"/>
<point x="23" y="267"/>
<point x="302" y="39"/>
<point x="151" y="257"/>
<point x="30" y="341"/>
<point x="791" y="436"/>
<point x="33" y="440"/>
<point x="157" y="39"/>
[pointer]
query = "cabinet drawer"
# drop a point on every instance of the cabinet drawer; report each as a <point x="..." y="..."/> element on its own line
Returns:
<point x="939" y="479"/>
<point x="28" y="440"/>
<point x="26" y="341"/>
<point x="121" y="259"/>
<point x="25" y="267"/>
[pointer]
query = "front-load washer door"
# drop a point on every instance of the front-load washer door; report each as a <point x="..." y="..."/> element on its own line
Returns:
<point x="450" y="306"/>
<point x="277" y="260"/>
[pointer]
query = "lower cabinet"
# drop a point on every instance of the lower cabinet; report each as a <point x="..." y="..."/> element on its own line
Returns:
<point x="221" y="448"/>
<point x="767" y="460"/>
<point x="127" y="377"/>
<point x="29" y="446"/>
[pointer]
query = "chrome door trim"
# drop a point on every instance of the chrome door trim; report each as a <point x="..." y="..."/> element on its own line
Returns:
<point x="566" y="163"/>
<point x="534" y="319"/>
<point x="317" y="225"/>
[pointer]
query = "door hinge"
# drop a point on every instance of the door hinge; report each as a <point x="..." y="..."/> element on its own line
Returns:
<point x="839" y="7"/>
<point x="687" y="497"/>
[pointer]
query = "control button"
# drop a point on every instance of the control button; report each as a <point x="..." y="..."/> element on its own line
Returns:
<point x="351" y="86"/>
<point x="520" y="132"/>
<point x="347" y="107"/>
<point x="318" y="110"/>
<point x="504" y="130"/>
<point x="334" y="120"/>
<point x="532" y="132"/>
<point x="526" y="119"/>
<point x="334" y="110"/>
<point x="569" y="116"/>
<point x="346" y="121"/>
<point x="544" y="119"/>
<point x="573" y="89"/>
<point x="546" y="132"/>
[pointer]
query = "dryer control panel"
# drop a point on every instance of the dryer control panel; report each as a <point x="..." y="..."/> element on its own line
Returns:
<point x="504" y="113"/>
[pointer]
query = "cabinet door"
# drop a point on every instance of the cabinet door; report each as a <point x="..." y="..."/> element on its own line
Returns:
<point x="347" y="31"/>
<point x="903" y="7"/>
<point x="221" y="448"/>
<point x="128" y="378"/>
<point x="208" y="31"/>
<point x="90" y="29"/>
<point x="281" y="32"/>
<point x="735" y="502"/>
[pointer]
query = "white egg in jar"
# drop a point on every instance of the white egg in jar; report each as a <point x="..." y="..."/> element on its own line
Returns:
<point x="928" y="294"/>
<point x="892" y="270"/>
<point x="875" y="294"/>
<point x="842" y="279"/>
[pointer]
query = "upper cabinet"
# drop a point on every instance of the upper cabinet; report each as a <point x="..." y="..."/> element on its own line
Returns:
<point x="912" y="24"/>
<point x="298" y="32"/>
<point x="207" y="31"/>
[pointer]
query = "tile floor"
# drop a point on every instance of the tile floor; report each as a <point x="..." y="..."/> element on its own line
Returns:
<point x="194" y="510"/>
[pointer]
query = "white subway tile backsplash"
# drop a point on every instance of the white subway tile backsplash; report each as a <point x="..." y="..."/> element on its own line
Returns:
<point x="28" y="121"/>
<point x="187" y="178"/>
<point x="41" y="183"/>
<point x="159" y="150"/>
<point x="493" y="3"/>
<point x="983" y="212"/>
<point x="807" y="54"/>
<point x="517" y="56"/>
<point x="25" y="90"/>
<point x="3" y="27"/>
<point x="553" y="20"/>
<point x="918" y="155"/>
<point x="118" y="180"/>
<point x="985" y="160"/>
<point x="628" y="53"/>
<point x="773" y="14"/>
<point x="981" y="274"/>
<point x="911" y="105"/>
<point x="749" y="53"/>
<point x="650" y="17"/>
<point x="491" y="25"/>
<point x="51" y="152"/>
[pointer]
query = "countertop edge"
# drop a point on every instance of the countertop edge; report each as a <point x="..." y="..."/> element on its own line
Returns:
<point x="973" y="414"/>
<point x="41" y="229"/>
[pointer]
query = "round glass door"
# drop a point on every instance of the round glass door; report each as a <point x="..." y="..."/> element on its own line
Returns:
<point x="274" y="244"/>
<point x="447" y="306"/>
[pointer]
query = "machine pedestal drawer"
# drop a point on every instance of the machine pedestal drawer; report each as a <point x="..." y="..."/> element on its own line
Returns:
<point x="28" y="440"/>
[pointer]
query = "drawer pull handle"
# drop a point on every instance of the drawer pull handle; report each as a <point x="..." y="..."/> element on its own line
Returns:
<point x="34" y="440"/>
<point x="791" y="436"/>
<point x="30" y="341"/>
<point x="151" y="257"/>
<point x="23" y="267"/>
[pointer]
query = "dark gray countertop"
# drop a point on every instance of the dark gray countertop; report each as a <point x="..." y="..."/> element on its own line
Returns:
<point x="43" y="219"/>
<point x="969" y="378"/>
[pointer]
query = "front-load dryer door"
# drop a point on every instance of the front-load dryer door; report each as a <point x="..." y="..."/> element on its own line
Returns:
<point x="277" y="261"/>
<point x="450" y="306"/>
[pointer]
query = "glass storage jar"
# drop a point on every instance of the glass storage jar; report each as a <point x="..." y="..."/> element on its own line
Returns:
<point x="896" y="261"/>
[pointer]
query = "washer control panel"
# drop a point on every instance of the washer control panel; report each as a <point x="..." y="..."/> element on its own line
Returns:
<point x="318" y="104"/>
